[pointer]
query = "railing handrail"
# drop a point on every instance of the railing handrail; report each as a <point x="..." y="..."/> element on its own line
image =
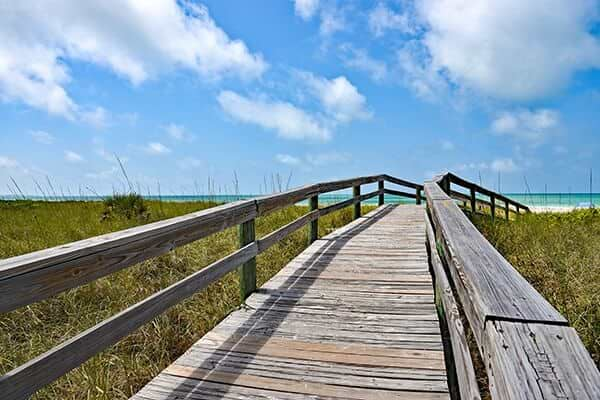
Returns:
<point x="527" y="346"/>
<point x="487" y="192"/>
<point x="36" y="276"/>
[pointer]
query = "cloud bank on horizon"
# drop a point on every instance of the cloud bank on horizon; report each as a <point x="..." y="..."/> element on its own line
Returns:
<point x="505" y="71"/>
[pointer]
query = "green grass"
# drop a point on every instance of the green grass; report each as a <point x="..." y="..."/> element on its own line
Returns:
<point x="121" y="370"/>
<point x="559" y="254"/>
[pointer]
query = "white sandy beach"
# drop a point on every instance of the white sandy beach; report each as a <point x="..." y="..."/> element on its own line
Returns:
<point x="552" y="209"/>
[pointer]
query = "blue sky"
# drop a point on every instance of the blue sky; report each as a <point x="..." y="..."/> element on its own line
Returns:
<point x="182" y="91"/>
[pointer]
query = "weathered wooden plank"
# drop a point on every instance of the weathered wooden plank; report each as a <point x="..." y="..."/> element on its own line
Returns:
<point x="344" y="353"/>
<point x="303" y="387"/>
<point x="304" y="369"/>
<point x="538" y="361"/>
<point x="276" y="201"/>
<point x="488" y="286"/>
<point x="465" y="372"/>
<point x="434" y="192"/>
<point x="39" y="275"/>
<point x="23" y="381"/>
<point x="326" y="187"/>
<point x="332" y="321"/>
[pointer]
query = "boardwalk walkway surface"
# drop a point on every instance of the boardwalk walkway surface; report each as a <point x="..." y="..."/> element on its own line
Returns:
<point x="352" y="317"/>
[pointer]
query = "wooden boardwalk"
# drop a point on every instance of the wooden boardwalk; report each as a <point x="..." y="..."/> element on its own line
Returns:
<point x="352" y="317"/>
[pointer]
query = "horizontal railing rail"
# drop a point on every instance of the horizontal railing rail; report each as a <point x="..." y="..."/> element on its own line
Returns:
<point x="39" y="275"/>
<point x="528" y="348"/>
<point x="473" y="200"/>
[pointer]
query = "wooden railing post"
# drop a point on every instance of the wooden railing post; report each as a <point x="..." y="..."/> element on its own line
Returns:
<point x="473" y="201"/>
<point x="506" y="210"/>
<point x="446" y="184"/>
<point x="381" y="195"/>
<point x="247" y="271"/>
<point x="313" y="228"/>
<point x="418" y="199"/>
<point x="493" y="205"/>
<point x="356" y="195"/>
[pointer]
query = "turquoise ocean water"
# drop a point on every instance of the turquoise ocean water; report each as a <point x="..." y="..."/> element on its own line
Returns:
<point x="530" y="199"/>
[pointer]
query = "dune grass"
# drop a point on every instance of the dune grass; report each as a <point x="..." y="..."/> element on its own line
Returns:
<point x="559" y="254"/>
<point x="121" y="370"/>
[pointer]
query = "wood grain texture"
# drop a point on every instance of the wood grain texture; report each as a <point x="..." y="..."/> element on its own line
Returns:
<point x="538" y="361"/>
<point x="336" y="322"/>
<point x="39" y="275"/>
<point x="273" y="202"/>
<point x="465" y="372"/>
<point x="528" y="350"/>
<point x="488" y="286"/>
<point x="26" y="379"/>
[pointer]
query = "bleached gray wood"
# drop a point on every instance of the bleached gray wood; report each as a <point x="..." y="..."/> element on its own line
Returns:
<point x="465" y="372"/>
<point x="488" y="286"/>
<point x="273" y="202"/>
<point x="303" y="333"/>
<point x="23" y="381"/>
<point x="41" y="274"/>
<point x="538" y="361"/>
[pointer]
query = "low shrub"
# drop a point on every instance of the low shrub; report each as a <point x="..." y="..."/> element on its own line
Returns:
<point x="128" y="206"/>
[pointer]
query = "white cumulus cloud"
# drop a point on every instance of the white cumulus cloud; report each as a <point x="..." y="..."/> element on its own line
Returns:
<point x="306" y="9"/>
<point x="288" y="159"/>
<point x="525" y="124"/>
<point x="510" y="49"/>
<point x="314" y="160"/>
<point x="156" y="148"/>
<point x="381" y="19"/>
<point x="135" y="39"/>
<point x="178" y="132"/>
<point x="503" y="165"/>
<point x="7" y="162"/>
<point x="360" y="60"/>
<point x="42" y="137"/>
<point x="287" y="120"/>
<point x="340" y="98"/>
<point x="73" y="157"/>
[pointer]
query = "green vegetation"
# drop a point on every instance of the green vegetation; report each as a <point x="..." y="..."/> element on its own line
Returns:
<point x="126" y="206"/>
<point x="559" y="254"/>
<point x="121" y="370"/>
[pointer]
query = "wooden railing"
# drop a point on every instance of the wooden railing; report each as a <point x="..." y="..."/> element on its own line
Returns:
<point x="528" y="349"/>
<point x="446" y="181"/>
<point x="36" y="276"/>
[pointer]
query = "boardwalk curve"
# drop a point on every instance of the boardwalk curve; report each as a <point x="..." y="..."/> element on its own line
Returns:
<point x="353" y="316"/>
